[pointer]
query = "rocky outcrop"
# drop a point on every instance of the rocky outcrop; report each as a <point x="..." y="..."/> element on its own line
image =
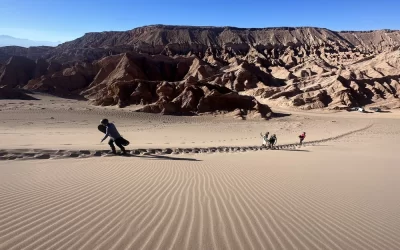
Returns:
<point x="128" y="84"/>
<point x="157" y="39"/>
<point x="207" y="99"/>
<point x="117" y="75"/>
<point x="41" y="68"/>
<point x="32" y="53"/>
<point x="166" y="67"/>
<point x="17" y="72"/>
<point x="215" y="43"/>
<point x="65" y="81"/>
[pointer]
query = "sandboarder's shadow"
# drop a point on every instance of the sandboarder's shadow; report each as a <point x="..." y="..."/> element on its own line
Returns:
<point x="295" y="150"/>
<point x="162" y="157"/>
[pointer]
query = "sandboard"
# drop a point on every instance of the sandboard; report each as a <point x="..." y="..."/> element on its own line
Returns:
<point x="102" y="129"/>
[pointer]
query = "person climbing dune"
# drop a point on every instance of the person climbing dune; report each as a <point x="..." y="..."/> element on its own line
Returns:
<point x="302" y="137"/>
<point x="272" y="141"/>
<point x="264" y="139"/>
<point x="115" y="137"/>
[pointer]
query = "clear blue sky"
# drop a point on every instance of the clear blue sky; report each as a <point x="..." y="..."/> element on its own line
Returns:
<point x="57" y="20"/>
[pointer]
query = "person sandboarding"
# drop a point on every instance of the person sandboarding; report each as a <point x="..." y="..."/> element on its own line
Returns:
<point x="264" y="139"/>
<point x="302" y="137"/>
<point x="111" y="131"/>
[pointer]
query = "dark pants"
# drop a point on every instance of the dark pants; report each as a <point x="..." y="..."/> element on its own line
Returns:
<point x="271" y="143"/>
<point x="117" y="141"/>
<point x="301" y="141"/>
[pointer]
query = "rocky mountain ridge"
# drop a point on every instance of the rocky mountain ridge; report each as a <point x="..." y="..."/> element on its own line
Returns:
<point x="177" y="69"/>
<point x="173" y="40"/>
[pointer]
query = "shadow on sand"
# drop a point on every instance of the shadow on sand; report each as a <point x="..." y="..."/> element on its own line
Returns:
<point x="69" y="96"/>
<point x="162" y="157"/>
<point x="279" y="115"/>
<point x="295" y="150"/>
<point x="16" y="94"/>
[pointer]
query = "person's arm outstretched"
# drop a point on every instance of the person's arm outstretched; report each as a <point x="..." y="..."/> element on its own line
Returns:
<point x="107" y="134"/>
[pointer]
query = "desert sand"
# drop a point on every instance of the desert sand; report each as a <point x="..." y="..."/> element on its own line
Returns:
<point x="196" y="182"/>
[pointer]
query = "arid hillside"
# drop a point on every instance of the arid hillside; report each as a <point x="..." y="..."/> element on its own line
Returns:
<point x="186" y="70"/>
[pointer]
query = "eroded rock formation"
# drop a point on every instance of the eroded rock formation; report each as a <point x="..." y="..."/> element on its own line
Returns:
<point x="180" y="69"/>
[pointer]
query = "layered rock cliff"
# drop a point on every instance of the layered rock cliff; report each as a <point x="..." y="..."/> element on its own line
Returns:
<point x="181" y="69"/>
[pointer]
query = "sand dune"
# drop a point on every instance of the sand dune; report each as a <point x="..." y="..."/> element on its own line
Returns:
<point x="212" y="202"/>
<point x="30" y="154"/>
<point x="211" y="187"/>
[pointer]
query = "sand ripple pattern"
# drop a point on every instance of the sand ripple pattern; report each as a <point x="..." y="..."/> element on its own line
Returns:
<point x="221" y="203"/>
<point x="40" y="154"/>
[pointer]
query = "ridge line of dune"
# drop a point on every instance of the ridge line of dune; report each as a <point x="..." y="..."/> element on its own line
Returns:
<point x="27" y="154"/>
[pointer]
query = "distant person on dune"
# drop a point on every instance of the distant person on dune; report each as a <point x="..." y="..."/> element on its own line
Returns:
<point x="112" y="132"/>
<point x="272" y="141"/>
<point x="264" y="139"/>
<point x="302" y="137"/>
